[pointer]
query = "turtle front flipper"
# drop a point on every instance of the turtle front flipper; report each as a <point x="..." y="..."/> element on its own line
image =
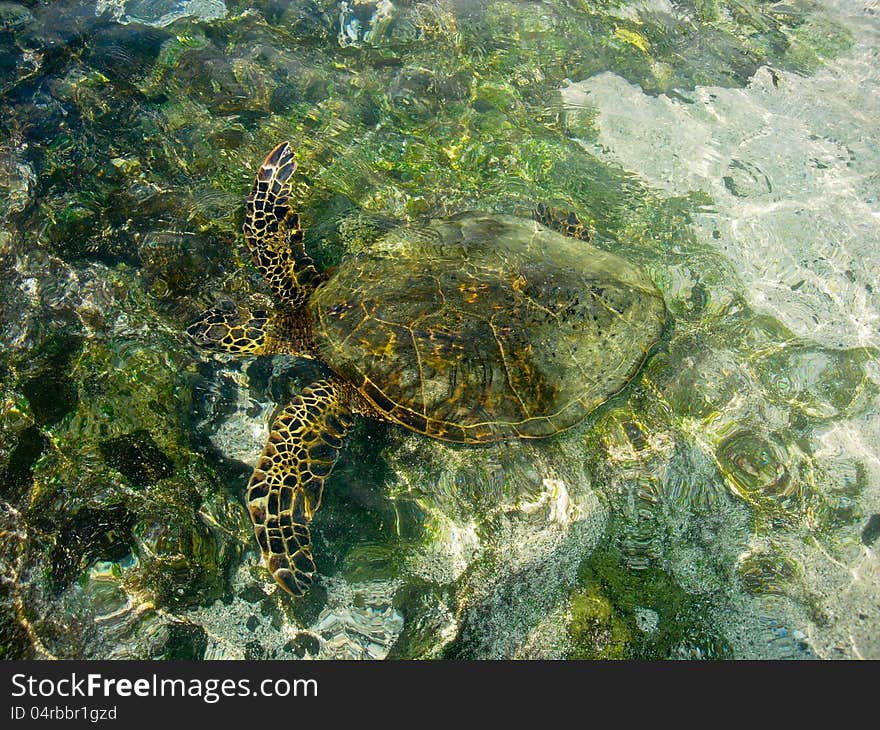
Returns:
<point x="285" y="489"/>
<point x="274" y="234"/>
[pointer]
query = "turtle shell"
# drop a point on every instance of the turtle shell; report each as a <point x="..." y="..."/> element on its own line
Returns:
<point x="484" y="327"/>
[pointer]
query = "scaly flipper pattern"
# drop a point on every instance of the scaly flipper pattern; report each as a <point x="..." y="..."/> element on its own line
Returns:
<point x="285" y="489"/>
<point x="274" y="234"/>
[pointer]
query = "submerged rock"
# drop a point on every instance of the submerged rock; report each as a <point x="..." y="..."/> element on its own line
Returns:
<point x="160" y="13"/>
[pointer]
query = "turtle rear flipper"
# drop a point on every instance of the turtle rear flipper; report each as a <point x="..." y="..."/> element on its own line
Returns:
<point x="274" y="234"/>
<point x="285" y="489"/>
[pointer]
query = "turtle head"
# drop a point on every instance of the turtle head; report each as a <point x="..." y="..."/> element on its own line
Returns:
<point x="228" y="328"/>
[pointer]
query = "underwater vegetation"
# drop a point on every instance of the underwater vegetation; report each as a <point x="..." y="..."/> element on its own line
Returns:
<point x="726" y="504"/>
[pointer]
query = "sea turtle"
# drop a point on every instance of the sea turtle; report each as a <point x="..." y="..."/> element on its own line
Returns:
<point x="471" y="329"/>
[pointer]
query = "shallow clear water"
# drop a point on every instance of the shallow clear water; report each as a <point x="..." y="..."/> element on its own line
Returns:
<point x="726" y="504"/>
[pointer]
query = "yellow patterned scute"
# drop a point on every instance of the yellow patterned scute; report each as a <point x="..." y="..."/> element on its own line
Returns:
<point x="485" y="327"/>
